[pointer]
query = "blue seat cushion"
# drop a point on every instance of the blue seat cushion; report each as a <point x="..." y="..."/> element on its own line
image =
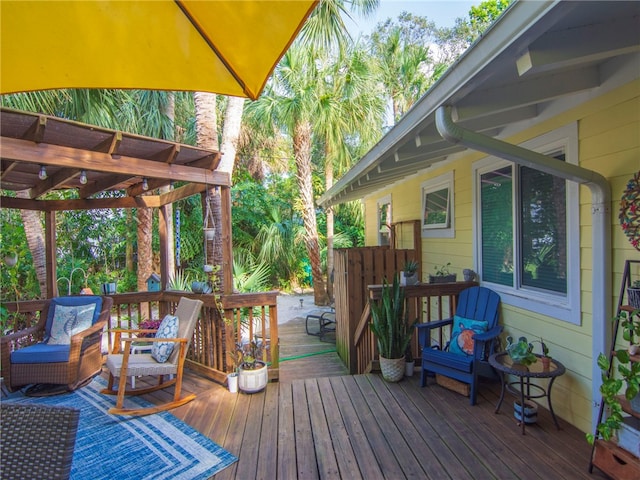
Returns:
<point x="41" y="353"/>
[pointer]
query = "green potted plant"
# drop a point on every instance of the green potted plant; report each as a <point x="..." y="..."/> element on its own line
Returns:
<point x="109" y="285"/>
<point x="409" y="363"/>
<point x="521" y="352"/>
<point x="392" y="329"/>
<point x="442" y="275"/>
<point x="545" y="358"/>
<point x="410" y="272"/>
<point x="625" y="376"/>
<point x="630" y="331"/>
<point x="252" y="372"/>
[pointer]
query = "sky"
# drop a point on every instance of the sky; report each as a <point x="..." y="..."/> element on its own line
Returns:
<point x="442" y="12"/>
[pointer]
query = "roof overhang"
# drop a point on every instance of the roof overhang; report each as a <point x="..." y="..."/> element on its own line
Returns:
<point x="539" y="57"/>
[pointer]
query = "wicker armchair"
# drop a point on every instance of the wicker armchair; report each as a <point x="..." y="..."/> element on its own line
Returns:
<point x="37" y="441"/>
<point x="28" y="357"/>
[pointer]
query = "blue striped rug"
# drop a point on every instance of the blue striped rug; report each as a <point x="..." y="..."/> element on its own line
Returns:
<point x="150" y="447"/>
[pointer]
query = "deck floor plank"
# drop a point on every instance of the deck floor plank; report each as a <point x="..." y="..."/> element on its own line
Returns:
<point x="305" y="448"/>
<point x="476" y="430"/>
<point x="375" y="435"/>
<point x="318" y="422"/>
<point x="286" y="459"/>
<point x="268" y="450"/>
<point x="345" y="456"/>
<point x="323" y="445"/>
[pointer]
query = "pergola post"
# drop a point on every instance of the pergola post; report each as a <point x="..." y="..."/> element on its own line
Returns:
<point x="50" y="253"/>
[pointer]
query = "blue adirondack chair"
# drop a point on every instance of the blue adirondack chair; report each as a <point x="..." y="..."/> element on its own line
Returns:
<point x="474" y="337"/>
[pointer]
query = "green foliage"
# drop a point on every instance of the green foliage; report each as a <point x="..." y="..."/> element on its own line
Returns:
<point x="179" y="281"/>
<point x="411" y="267"/>
<point x="521" y="351"/>
<point x="442" y="270"/>
<point x="626" y="375"/>
<point x="630" y="327"/>
<point x="390" y="321"/>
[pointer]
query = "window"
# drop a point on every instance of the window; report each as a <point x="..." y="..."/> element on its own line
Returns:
<point x="525" y="222"/>
<point x="437" y="207"/>
<point x="384" y="220"/>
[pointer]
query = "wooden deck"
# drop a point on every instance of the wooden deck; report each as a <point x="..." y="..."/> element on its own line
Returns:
<point x="310" y="426"/>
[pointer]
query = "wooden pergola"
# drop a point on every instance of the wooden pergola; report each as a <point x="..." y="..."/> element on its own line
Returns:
<point x="93" y="160"/>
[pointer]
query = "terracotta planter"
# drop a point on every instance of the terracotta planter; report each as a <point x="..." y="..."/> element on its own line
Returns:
<point x="392" y="368"/>
<point x="251" y="381"/>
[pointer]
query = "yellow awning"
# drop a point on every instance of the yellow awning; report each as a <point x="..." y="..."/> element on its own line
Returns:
<point x="222" y="46"/>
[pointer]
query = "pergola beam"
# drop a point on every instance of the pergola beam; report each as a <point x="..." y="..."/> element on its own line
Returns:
<point x="46" y="154"/>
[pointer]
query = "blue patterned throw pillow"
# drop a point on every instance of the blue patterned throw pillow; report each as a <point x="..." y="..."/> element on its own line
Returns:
<point x="160" y="351"/>
<point x="462" y="335"/>
<point x="69" y="320"/>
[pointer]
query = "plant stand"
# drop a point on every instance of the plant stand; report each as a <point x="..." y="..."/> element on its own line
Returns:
<point x="252" y="381"/>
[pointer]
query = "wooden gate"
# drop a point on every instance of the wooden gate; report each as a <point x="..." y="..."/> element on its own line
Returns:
<point x="355" y="270"/>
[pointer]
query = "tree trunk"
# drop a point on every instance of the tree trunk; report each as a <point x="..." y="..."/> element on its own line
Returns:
<point x="145" y="256"/>
<point x="328" y="172"/>
<point x="207" y="137"/>
<point x="171" y="251"/>
<point x="302" y="155"/>
<point x="35" y="239"/>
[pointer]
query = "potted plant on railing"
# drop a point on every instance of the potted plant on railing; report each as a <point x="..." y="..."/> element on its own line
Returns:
<point x="392" y="329"/>
<point x="252" y="373"/>
<point x="109" y="283"/>
<point x="410" y="272"/>
<point x="443" y="275"/>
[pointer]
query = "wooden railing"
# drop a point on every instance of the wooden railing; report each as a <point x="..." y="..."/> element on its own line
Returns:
<point x="244" y="316"/>
<point x="427" y="302"/>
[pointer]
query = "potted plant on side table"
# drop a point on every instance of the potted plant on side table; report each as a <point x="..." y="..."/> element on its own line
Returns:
<point x="391" y="327"/>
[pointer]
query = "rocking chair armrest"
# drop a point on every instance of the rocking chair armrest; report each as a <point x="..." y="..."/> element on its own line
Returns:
<point x="153" y="339"/>
<point x="488" y="335"/>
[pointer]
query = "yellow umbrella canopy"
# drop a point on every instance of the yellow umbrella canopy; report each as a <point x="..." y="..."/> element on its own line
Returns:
<point x="222" y="46"/>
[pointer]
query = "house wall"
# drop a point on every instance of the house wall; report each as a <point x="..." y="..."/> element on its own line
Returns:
<point x="609" y="143"/>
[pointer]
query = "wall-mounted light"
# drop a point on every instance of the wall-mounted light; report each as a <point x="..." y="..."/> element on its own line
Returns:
<point x="83" y="177"/>
<point x="42" y="174"/>
<point x="145" y="184"/>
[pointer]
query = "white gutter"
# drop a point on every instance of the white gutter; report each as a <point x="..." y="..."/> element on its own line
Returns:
<point x="601" y="225"/>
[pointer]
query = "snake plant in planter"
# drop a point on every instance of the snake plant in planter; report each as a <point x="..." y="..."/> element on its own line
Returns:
<point x="392" y="329"/>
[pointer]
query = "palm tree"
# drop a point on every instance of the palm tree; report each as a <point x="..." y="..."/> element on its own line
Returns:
<point x="351" y="107"/>
<point x="402" y="69"/>
<point x="288" y="105"/>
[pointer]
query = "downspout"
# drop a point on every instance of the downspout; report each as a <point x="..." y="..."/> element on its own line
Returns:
<point x="600" y="216"/>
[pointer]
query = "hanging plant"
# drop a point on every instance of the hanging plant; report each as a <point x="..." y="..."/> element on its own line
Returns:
<point x="630" y="211"/>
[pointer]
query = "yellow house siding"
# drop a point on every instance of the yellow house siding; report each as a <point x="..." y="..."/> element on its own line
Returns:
<point x="609" y="143"/>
